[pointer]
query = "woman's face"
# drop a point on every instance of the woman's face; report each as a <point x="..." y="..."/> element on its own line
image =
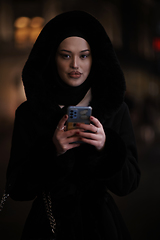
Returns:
<point x="74" y="60"/>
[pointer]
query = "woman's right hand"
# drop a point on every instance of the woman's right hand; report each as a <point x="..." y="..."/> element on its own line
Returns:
<point x="63" y="140"/>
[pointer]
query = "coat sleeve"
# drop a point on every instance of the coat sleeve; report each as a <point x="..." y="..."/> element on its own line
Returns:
<point x="33" y="165"/>
<point x="117" y="163"/>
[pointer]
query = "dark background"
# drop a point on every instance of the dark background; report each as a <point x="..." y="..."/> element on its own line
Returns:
<point x="134" y="29"/>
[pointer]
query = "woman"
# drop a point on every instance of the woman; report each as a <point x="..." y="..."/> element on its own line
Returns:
<point x="73" y="63"/>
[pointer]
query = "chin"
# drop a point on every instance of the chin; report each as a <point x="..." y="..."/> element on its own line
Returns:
<point x="74" y="83"/>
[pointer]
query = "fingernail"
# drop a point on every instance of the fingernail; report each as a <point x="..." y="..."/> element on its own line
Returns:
<point x="91" y="118"/>
<point x="65" y="116"/>
<point x="77" y="124"/>
<point x="77" y="132"/>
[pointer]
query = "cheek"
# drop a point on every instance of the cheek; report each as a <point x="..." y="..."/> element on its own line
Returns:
<point x="61" y="67"/>
<point x="87" y="67"/>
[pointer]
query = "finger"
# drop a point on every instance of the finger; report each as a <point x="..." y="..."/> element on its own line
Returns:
<point x="62" y="122"/>
<point x="69" y="144"/>
<point x="72" y="132"/>
<point x="88" y="135"/>
<point x="72" y="140"/>
<point x="89" y="127"/>
<point x="95" y="121"/>
<point x="97" y="144"/>
<point x="73" y="145"/>
<point x="83" y="126"/>
<point x="89" y="141"/>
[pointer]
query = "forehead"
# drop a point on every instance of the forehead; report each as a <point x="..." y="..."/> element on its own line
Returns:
<point x="74" y="43"/>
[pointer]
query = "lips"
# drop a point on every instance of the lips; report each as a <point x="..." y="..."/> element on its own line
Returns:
<point x="75" y="74"/>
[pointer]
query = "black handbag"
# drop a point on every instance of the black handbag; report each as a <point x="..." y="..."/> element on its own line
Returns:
<point x="48" y="206"/>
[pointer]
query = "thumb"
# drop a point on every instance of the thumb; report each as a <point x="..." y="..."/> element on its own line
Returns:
<point x="62" y="122"/>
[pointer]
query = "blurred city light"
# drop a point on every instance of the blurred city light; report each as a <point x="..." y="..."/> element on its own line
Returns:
<point x="134" y="30"/>
<point x="26" y="30"/>
<point x="22" y="22"/>
<point x="37" y="22"/>
<point x="156" y="44"/>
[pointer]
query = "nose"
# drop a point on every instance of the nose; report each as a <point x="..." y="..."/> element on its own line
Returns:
<point x="75" y="62"/>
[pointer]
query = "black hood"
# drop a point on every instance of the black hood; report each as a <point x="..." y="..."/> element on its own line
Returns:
<point x="107" y="80"/>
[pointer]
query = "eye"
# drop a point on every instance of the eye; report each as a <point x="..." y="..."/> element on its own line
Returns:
<point x="65" y="56"/>
<point x="84" y="56"/>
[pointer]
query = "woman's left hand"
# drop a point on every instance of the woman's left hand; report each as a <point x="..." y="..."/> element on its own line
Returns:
<point x="96" y="135"/>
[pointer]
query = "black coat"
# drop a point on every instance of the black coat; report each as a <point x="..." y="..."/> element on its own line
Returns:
<point x="78" y="180"/>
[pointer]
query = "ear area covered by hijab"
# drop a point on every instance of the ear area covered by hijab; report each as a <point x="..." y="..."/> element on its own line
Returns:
<point x="106" y="79"/>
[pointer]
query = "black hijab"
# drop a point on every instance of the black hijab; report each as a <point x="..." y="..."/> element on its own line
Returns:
<point x="43" y="87"/>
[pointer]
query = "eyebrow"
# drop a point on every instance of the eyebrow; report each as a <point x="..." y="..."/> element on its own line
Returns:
<point x="64" y="50"/>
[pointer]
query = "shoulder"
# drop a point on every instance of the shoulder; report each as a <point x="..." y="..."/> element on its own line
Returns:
<point x="124" y="116"/>
<point x="121" y="116"/>
<point x="23" y="111"/>
<point x="123" y="109"/>
<point x="23" y="107"/>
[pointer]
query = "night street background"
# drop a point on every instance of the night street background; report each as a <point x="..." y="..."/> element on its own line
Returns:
<point x="134" y="29"/>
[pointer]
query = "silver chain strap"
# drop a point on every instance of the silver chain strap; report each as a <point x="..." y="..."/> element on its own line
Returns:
<point x="48" y="206"/>
<point x="3" y="200"/>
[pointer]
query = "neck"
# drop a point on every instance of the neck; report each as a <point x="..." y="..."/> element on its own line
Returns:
<point x="85" y="101"/>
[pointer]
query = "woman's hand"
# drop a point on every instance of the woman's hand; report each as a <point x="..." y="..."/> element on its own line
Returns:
<point x="64" y="140"/>
<point x="96" y="135"/>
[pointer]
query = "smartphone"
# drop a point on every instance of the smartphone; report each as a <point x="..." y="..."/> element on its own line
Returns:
<point x="78" y="114"/>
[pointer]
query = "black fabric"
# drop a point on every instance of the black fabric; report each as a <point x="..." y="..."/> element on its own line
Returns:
<point x="78" y="180"/>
